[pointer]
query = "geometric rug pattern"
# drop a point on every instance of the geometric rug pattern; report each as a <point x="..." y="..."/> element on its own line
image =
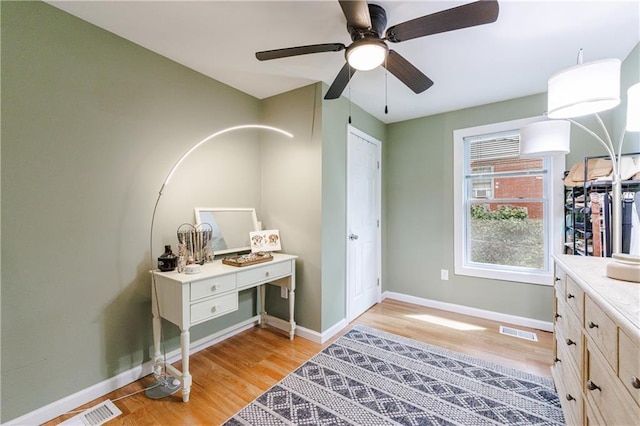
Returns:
<point x="370" y="377"/>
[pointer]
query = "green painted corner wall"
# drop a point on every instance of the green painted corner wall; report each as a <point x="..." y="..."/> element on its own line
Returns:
<point x="291" y="196"/>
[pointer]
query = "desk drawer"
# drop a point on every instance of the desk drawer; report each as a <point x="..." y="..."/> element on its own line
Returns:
<point x="212" y="286"/>
<point x="215" y="307"/>
<point x="263" y="274"/>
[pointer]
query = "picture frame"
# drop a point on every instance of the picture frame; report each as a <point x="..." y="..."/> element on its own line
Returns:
<point x="267" y="240"/>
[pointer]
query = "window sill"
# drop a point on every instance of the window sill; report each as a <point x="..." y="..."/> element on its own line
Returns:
<point x="538" y="278"/>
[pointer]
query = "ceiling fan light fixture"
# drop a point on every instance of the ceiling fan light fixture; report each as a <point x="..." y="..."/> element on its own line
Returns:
<point x="584" y="89"/>
<point x="366" y="54"/>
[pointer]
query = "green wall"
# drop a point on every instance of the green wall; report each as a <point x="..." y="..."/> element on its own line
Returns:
<point x="91" y="124"/>
<point x="419" y="220"/>
<point x="291" y="196"/>
<point x="418" y="183"/>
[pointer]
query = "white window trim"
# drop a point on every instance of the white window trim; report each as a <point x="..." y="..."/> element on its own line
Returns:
<point x="556" y="207"/>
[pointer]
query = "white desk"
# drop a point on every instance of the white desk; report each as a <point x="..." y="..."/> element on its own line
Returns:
<point x="187" y="300"/>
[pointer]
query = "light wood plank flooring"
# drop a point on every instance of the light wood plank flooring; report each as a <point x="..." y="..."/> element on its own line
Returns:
<point x="232" y="373"/>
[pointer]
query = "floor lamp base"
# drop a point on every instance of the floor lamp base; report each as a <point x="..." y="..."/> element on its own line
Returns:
<point x="164" y="387"/>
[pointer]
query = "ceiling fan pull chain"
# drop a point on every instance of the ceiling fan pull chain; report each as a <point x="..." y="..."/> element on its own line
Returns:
<point x="386" y="91"/>
<point x="349" y="96"/>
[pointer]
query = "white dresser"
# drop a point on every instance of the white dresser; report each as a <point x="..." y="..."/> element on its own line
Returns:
<point x="187" y="300"/>
<point x="597" y="343"/>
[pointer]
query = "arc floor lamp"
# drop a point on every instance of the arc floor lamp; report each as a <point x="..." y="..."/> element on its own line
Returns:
<point x="582" y="90"/>
<point x="166" y="385"/>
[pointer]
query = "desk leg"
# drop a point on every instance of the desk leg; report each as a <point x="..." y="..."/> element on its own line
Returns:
<point x="292" y="323"/>
<point x="263" y="313"/>
<point x="186" y="376"/>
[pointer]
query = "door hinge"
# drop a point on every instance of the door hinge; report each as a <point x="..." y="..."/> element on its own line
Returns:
<point x="378" y="223"/>
<point x="378" y="282"/>
<point x="378" y="165"/>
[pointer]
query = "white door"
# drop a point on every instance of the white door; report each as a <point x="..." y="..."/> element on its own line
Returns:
<point x="363" y="222"/>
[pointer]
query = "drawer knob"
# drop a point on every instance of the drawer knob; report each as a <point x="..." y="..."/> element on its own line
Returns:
<point x="558" y="279"/>
<point x="266" y="274"/>
<point x="635" y="382"/>
<point x="570" y="398"/>
<point x="215" y="287"/>
<point x="592" y="386"/>
<point x="592" y="324"/>
<point x="570" y="296"/>
<point x="556" y="359"/>
<point x="558" y="316"/>
<point x="570" y="342"/>
<point x="215" y="308"/>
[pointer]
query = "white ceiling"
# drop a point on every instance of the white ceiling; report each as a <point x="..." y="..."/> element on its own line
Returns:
<point x="510" y="58"/>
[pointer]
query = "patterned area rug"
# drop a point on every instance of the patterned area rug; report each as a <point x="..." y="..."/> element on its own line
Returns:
<point x="369" y="377"/>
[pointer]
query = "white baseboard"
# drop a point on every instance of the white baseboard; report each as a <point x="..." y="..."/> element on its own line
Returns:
<point x="333" y="330"/>
<point x="309" y="334"/>
<point x="66" y="404"/>
<point x="474" y="312"/>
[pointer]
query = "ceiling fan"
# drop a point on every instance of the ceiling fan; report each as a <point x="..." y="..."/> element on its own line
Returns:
<point x="366" y="24"/>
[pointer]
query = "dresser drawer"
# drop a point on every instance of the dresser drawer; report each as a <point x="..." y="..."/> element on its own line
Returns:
<point x="212" y="286"/>
<point x="211" y="308"/>
<point x="575" y="298"/>
<point x="571" y="338"/>
<point x="263" y="274"/>
<point x="606" y="394"/>
<point x="630" y="365"/>
<point x="603" y="331"/>
<point x="570" y="394"/>
<point x="561" y="282"/>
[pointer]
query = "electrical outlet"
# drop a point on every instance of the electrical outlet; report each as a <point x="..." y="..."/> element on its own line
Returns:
<point x="444" y="274"/>
<point x="284" y="293"/>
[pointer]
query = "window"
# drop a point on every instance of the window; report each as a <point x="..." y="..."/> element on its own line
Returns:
<point x="482" y="186"/>
<point x="508" y="209"/>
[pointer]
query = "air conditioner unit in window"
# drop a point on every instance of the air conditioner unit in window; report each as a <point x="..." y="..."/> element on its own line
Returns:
<point x="481" y="193"/>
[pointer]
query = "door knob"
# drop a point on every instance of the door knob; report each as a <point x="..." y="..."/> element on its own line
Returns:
<point x="353" y="237"/>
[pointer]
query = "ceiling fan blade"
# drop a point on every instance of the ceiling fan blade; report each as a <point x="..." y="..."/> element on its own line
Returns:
<point x="411" y="76"/>
<point x="467" y="15"/>
<point x="300" y="50"/>
<point x="341" y="81"/>
<point x="357" y="13"/>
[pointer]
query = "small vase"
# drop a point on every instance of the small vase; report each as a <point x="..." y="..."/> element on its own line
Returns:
<point x="168" y="261"/>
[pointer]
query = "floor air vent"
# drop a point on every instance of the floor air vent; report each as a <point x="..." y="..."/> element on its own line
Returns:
<point x="94" y="416"/>
<point x="509" y="331"/>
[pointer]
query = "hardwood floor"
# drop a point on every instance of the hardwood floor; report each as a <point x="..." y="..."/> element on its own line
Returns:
<point x="232" y="373"/>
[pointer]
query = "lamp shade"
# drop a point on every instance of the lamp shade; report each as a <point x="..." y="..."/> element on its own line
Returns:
<point x="366" y="54"/>
<point x="584" y="89"/>
<point x="549" y="137"/>
<point x="633" y="108"/>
